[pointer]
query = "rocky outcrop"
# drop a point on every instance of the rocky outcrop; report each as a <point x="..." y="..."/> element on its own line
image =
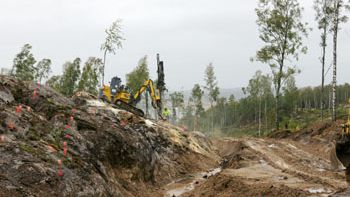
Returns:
<point x="56" y="146"/>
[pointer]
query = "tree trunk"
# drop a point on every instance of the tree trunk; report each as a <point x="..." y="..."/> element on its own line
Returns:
<point x="278" y="88"/>
<point x="324" y="45"/>
<point x="277" y="110"/>
<point x="324" y="39"/>
<point x="259" y="116"/>
<point x="266" y="114"/>
<point x="195" y="123"/>
<point x="335" y="35"/>
<point x="103" y="70"/>
<point x="212" y="118"/>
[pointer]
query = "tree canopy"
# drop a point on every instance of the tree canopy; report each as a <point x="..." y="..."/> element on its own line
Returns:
<point x="138" y="76"/>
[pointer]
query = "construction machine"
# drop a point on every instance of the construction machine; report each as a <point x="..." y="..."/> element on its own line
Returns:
<point x="342" y="147"/>
<point x="122" y="96"/>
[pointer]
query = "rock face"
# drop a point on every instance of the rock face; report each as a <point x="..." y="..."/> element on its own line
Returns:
<point x="51" y="145"/>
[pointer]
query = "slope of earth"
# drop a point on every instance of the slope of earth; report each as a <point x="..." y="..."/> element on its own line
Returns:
<point x="55" y="146"/>
<point x="285" y="164"/>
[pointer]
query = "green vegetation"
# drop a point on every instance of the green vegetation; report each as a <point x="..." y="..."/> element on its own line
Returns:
<point x="73" y="80"/>
<point x="24" y="67"/>
<point x="300" y="107"/>
<point x="90" y="76"/>
<point x="212" y="88"/>
<point x="43" y="69"/>
<point x="282" y="31"/>
<point x="177" y="102"/>
<point x="70" y="77"/>
<point x="138" y="76"/>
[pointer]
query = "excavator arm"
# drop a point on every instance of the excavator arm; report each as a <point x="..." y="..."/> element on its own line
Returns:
<point x="156" y="100"/>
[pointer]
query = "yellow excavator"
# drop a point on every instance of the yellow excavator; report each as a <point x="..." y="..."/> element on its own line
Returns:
<point x="122" y="97"/>
<point x="342" y="146"/>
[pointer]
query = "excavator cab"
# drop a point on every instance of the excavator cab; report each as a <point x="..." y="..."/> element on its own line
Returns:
<point x="116" y="91"/>
<point x="115" y="85"/>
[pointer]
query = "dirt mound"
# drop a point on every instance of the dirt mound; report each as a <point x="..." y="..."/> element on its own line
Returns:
<point x="56" y="146"/>
<point x="320" y="131"/>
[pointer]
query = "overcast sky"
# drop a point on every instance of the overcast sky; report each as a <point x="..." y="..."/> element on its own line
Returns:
<point x="188" y="34"/>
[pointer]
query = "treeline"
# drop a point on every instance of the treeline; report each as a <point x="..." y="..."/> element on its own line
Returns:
<point x="310" y="96"/>
<point x="256" y="111"/>
<point x="73" y="78"/>
<point x="76" y="76"/>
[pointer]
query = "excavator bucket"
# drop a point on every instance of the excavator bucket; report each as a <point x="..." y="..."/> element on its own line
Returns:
<point x="342" y="149"/>
<point x="340" y="156"/>
<point x="340" y="152"/>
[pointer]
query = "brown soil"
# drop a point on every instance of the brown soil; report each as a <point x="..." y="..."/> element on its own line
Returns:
<point x="297" y="164"/>
<point x="269" y="167"/>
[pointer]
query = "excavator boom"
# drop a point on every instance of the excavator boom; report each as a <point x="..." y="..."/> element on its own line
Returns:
<point x="148" y="85"/>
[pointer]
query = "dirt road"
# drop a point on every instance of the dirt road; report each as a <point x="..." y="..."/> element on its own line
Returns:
<point x="265" y="167"/>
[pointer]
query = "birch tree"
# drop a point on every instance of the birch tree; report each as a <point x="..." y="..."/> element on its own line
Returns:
<point x="112" y="42"/>
<point x="323" y="18"/>
<point x="338" y="8"/>
<point x="282" y="31"/>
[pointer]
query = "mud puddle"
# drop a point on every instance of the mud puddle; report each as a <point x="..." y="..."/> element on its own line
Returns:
<point x="187" y="184"/>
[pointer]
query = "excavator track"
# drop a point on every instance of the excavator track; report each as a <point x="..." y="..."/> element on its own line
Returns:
<point x="129" y="108"/>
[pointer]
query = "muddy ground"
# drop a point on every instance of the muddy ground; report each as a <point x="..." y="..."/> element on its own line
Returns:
<point x="284" y="164"/>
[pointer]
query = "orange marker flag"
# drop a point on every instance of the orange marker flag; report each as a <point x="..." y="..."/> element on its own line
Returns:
<point x="65" y="148"/>
<point x="19" y="109"/>
<point x="60" y="171"/>
<point x="67" y="136"/>
<point x="35" y="94"/>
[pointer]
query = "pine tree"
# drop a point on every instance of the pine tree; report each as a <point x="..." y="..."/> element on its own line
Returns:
<point x="212" y="88"/>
